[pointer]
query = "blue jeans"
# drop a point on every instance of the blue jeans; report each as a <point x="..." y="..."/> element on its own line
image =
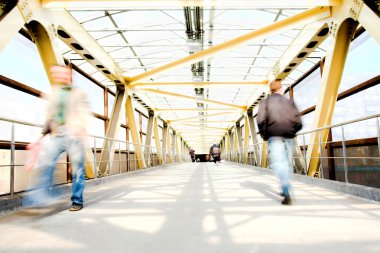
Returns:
<point x="280" y="151"/>
<point x="50" y="153"/>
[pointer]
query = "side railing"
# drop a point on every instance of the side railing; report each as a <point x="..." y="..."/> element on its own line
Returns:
<point x="351" y="153"/>
<point x="16" y="135"/>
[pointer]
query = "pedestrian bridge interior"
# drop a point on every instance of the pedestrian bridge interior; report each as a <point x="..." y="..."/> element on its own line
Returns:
<point x="164" y="77"/>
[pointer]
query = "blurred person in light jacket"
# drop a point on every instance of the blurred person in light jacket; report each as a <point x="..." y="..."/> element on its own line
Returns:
<point x="67" y="119"/>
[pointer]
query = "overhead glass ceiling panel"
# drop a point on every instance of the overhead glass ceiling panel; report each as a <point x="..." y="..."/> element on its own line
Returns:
<point x="98" y="76"/>
<point x="283" y="38"/>
<point x="99" y="36"/>
<point x="137" y="37"/>
<point x="86" y="16"/>
<point x="121" y="53"/>
<point x="259" y="71"/>
<point x="141" y="40"/>
<point x="133" y="72"/>
<point x="113" y="39"/>
<point x="146" y="50"/>
<point x="98" y="24"/>
<point x="271" y="51"/>
<point x="140" y="19"/>
<point x="246" y="18"/>
<point x="88" y="68"/>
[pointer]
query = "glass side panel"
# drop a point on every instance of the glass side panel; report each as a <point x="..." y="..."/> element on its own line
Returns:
<point x="20" y="61"/>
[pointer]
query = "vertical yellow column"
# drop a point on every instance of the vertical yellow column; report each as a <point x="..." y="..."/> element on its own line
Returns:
<point x="177" y="147"/>
<point x="47" y="46"/>
<point x="169" y="146"/>
<point x="236" y="144"/>
<point x="328" y="92"/>
<point x="246" y="140"/>
<point x="256" y="147"/>
<point x="231" y="141"/>
<point x="165" y="142"/>
<point x="148" y="139"/>
<point x="10" y="23"/>
<point x="157" y="141"/>
<point x="107" y="152"/>
<point x="134" y="132"/>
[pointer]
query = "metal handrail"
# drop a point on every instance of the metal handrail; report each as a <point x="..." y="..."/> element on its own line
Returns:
<point x="39" y="125"/>
<point x="145" y="149"/>
<point x="20" y="122"/>
<point x="94" y="136"/>
<point x="254" y="158"/>
<point x="340" y="124"/>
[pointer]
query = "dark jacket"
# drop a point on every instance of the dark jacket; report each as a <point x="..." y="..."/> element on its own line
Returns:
<point x="278" y="116"/>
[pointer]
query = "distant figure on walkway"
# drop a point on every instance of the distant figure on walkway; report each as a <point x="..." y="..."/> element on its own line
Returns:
<point x="215" y="153"/>
<point x="67" y="117"/>
<point x="192" y="154"/>
<point x="278" y="120"/>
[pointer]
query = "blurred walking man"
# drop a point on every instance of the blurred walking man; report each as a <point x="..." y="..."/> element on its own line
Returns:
<point x="67" y="118"/>
<point x="278" y="120"/>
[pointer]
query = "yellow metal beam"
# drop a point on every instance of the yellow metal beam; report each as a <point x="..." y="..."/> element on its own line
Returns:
<point x="131" y="4"/>
<point x="9" y="26"/>
<point x="256" y="147"/>
<point x="65" y="22"/>
<point x="165" y="145"/>
<point x="312" y="34"/>
<point x="148" y="139"/>
<point x="169" y="146"/>
<point x="49" y="52"/>
<point x="197" y="84"/>
<point x="203" y="116"/>
<point x="157" y="141"/>
<point x="370" y="20"/>
<point x="239" y="135"/>
<point x="331" y="77"/>
<point x="177" y="147"/>
<point x="6" y="7"/>
<point x="192" y="98"/>
<point x="134" y="132"/>
<point x="181" y="150"/>
<point x="107" y="152"/>
<point x="295" y="21"/>
<point x="236" y="144"/>
<point x="246" y="140"/>
<point x="232" y="146"/>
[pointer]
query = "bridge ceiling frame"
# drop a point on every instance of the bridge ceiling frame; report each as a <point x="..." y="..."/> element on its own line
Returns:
<point x="304" y="28"/>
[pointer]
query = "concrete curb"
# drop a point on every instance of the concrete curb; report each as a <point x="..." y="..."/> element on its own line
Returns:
<point x="365" y="192"/>
<point x="13" y="203"/>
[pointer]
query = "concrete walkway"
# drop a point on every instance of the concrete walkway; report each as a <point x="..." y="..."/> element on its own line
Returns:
<point x="196" y="208"/>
